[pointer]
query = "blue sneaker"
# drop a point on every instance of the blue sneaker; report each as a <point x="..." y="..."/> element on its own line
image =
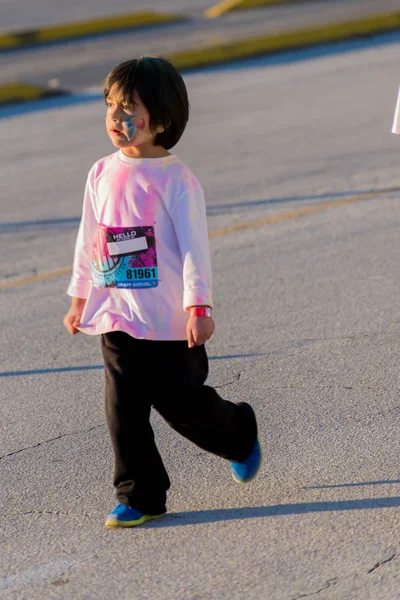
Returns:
<point x="245" y="471"/>
<point x="125" y="516"/>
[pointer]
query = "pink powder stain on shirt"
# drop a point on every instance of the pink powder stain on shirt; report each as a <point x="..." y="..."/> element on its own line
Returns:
<point x="129" y="194"/>
<point x="120" y="181"/>
<point x="147" y="213"/>
<point x="190" y="178"/>
<point x="147" y="259"/>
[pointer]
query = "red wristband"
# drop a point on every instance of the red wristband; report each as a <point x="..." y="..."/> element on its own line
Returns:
<point x="200" y="311"/>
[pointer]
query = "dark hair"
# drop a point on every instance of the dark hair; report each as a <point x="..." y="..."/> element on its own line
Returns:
<point x="161" y="89"/>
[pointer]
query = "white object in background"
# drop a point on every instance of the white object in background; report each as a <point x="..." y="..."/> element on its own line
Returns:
<point x="53" y="83"/>
<point x="396" y="121"/>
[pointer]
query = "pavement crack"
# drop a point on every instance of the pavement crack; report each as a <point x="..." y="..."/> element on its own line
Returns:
<point x="287" y="356"/>
<point x="58" y="437"/>
<point x="383" y="562"/>
<point x="328" y="584"/>
<point x="237" y="377"/>
<point x="60" y="581"/>
<point x="56" y="513"/>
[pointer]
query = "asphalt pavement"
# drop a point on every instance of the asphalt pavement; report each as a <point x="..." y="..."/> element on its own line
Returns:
<point x="80" y="64"/>
<point x="308" y="324"/>
<point x="17" y="15"/>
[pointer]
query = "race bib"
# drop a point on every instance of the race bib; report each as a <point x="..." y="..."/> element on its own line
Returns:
<point x="124" y="257"/>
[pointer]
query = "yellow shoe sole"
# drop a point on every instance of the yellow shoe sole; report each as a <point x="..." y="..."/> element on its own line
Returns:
<point x="114" y="523"/>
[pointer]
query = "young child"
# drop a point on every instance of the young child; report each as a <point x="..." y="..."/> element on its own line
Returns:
<point x="142" y="280"/>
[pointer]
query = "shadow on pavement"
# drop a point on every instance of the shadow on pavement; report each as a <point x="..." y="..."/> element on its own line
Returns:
<point x="15" y="227"/>
<point x="342" y="485"/>
<point x="256" y="512"/>
<point x="218" y="209"/>
<point x="96" y="367"/>
<point x="22" y="108"/>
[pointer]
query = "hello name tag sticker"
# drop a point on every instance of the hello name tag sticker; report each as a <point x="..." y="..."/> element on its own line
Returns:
<point x="124" y="257"/>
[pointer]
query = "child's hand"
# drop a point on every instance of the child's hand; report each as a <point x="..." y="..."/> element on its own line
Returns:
<point x="199" y="330"/>
<point x="73" y="317"/>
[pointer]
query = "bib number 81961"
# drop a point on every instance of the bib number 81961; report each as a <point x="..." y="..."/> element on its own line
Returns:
<point x="140" y="273"/>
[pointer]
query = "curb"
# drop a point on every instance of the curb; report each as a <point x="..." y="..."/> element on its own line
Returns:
<point x="68" y="31"/>
<point x="242" y="49"/>
<point x="227" y="5"/>
<point x="13" y="92"/>
<point x="289" y="40"/>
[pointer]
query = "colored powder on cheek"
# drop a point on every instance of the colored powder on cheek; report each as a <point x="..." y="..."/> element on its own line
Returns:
<point x="129" y="129"/>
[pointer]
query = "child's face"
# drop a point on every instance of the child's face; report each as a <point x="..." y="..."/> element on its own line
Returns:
<point x="127" y="123"/>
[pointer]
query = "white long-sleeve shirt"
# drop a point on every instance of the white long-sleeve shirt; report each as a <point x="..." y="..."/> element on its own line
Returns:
<point x="142" y="254"/>
<point x="396" y="119"/>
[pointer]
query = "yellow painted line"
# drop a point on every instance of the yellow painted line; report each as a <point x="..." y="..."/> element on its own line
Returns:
<point x="301" y="212"/>
<point x="288" y="40"/>
<point x="240" y="49"/>
<point x="34" y="278"/>
<point x="246" y="4"/>
<point x="15" y="91"/>
<point x="225" y="230"/>
<point x="103" y="25"/>
<point x="8" y="40"/>
<point x="222" y="7"/>
<point x="52" y="33"/>
<point x="226" y="5"/>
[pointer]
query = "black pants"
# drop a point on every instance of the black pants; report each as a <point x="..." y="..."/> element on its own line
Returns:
<point x="169" y="376"/>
